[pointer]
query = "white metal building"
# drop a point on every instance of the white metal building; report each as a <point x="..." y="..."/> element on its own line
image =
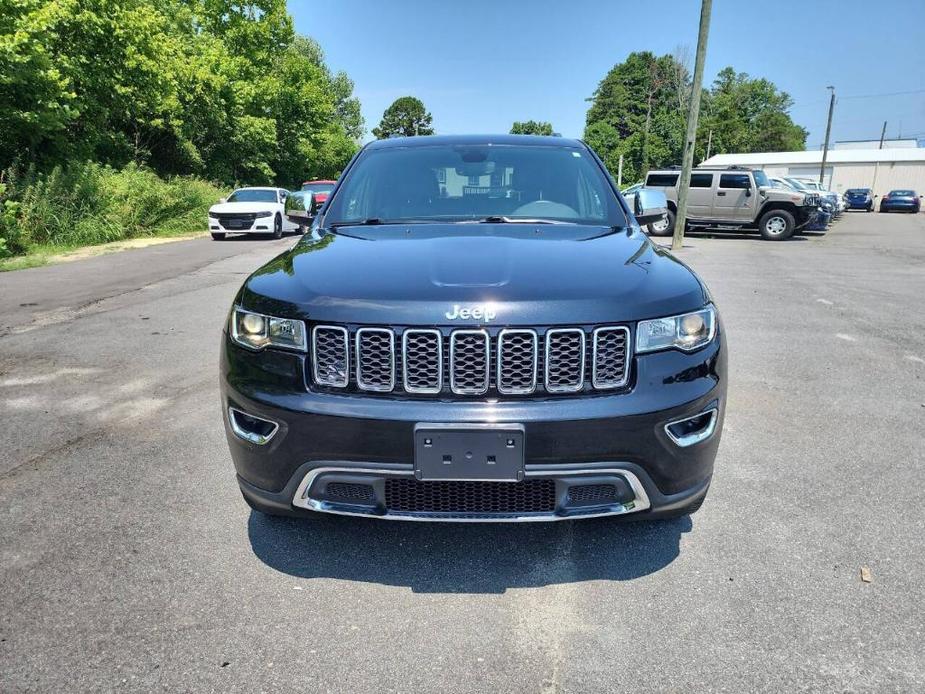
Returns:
<point x="881" y="169"/>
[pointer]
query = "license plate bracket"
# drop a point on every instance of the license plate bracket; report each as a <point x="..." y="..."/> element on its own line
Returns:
<point x="469" y="452"/>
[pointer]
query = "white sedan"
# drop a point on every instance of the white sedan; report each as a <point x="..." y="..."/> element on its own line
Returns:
<point x="251" y="211"/>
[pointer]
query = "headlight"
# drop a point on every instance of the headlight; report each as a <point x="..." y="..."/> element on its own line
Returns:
<point x="213" y="215"/>
<point x="265" y="213"/>
<point x="686" y="332"/>
<point x="256" y="331"/>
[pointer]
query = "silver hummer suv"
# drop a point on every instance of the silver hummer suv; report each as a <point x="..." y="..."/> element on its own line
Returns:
<point x="734" y="198"/>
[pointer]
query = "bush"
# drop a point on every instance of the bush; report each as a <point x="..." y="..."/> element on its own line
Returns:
<point x="87" y="203"/>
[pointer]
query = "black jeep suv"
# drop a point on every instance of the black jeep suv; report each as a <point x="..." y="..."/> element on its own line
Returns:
<point x="476" y="328"/>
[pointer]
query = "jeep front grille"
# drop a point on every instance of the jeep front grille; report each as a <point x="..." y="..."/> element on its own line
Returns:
<point x="330" y="356"/>
<point x="469" y="362"/>
<point x="506" y="362"/>
<point x="422" y="352"/>
<point x="565" y="360"/>
<point x="375" y="359"/>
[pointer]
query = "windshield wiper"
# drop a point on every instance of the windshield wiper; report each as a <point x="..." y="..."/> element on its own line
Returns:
<point x="371" y="221"/>
<point x="498" y="219"/>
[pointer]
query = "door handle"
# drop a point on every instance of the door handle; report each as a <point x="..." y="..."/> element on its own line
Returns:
<point x="720" y="193"/>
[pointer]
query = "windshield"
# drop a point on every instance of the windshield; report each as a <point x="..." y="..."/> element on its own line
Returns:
<point x="761" y="178"/>
<point x="858" y="191"/>
<point x="318" y="187"/>
<point x="253" y="195"/>
<point x="459" y="183"/>
<point x="798" y="185"/>
<point x="903" y="193"/>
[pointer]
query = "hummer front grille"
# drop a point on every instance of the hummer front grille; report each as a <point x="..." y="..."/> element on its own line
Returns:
<point x="507" y="362"/>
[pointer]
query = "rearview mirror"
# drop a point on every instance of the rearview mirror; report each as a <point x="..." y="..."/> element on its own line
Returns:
<point x="649" y="206"/>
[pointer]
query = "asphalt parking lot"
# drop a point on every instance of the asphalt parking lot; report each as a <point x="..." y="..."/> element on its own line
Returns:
<point x="129" y="560"/>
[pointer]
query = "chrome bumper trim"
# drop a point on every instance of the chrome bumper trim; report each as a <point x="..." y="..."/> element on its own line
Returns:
<point x="696" y="437"/>
<point x="250" y="436"/>
<point x="640" y="502"/>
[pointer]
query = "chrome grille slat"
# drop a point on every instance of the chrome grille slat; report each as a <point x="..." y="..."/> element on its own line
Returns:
<point x="330" y="356"/>
<point x="565" y="360"/>
<point x="375" y="359"/>
<point x="610" y="360"/>
<point x="422" y="361"/>
<point x="470" y="362"/>
<point x="517" y="361"/>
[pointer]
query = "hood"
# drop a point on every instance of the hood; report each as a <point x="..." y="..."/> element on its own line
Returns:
<point x="232" y="207"/>
<point x="529" y="275"/>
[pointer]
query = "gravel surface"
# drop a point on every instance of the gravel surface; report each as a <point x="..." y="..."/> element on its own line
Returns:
<point x="129" y="560"/>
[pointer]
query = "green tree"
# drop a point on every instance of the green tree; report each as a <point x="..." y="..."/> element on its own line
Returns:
<point x="750" y="115"/>
<point x="531" y="127"/>
<point x="219" y="88"/>
<point x="406" y="116"/>
<point x="639" y="110"/>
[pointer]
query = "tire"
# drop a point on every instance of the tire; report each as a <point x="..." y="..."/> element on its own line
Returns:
<point x="776" y="225"/>
<point x="217" y="236"/>
<point x="664" y="229"/>
<point x="278" y="227"/>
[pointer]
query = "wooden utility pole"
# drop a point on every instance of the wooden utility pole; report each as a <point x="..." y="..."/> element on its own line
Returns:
<point x="620" y="173"/>
<point x="687" y="163"/>
<point x="709" y="144"/>
<point x="828" y="129"/>
<point x="873" y="185"/>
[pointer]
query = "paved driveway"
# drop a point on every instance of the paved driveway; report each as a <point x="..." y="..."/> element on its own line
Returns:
<point x="128" y="558"/>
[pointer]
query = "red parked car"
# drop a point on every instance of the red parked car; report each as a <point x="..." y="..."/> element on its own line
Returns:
<point x="320" y="191"/>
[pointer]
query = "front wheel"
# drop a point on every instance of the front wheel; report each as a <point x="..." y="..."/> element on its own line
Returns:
<point x="776" y="225"/>
<point x="278" y="227"/>
<point x="663" y="227"/>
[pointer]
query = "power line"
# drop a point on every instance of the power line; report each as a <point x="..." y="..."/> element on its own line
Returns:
<point x="870" y="96"/>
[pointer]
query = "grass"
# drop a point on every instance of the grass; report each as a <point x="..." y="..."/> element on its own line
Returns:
<point x="45" y="215"/>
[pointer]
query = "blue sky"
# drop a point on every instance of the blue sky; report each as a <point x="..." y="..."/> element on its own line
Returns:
<point x="478" y="65"/>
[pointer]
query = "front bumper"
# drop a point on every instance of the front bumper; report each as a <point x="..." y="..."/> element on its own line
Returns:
<point x="613" y="441"/>
<point x="261" y="225"/>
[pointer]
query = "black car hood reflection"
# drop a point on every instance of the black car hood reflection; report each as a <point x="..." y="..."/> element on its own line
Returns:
<point x="532" y="274"/>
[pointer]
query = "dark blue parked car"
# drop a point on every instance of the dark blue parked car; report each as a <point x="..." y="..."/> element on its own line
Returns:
<point x="859" y="199"/>
<point x="904" y="200"/>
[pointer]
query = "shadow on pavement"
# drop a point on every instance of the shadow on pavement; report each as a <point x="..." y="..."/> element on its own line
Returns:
<point x="465" y="558"/>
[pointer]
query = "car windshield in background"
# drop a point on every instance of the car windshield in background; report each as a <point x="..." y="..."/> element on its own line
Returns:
<point x="466" y="183"/>
<point x="902" y="193"/>
<point x="761" y="178"/>
<point x="858" y="191"/>
<point x="318" y="187"/>
<point x="252" y="195"/>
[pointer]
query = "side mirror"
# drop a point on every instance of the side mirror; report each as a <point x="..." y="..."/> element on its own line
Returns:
<point x="748" y="192"/>
<point x="221" y="200"/>
<point x="649" y="206"/>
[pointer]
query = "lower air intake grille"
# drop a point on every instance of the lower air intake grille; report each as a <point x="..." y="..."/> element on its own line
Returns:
<point x="592" y="493"/>
<point x="501" y="498"/>
<point x="349" y="491"/>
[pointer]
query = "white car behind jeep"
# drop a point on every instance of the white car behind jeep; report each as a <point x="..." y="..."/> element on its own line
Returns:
<point x="251" y="211"/>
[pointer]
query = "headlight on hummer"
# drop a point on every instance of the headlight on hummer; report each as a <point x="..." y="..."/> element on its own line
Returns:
<point x="686" y="332"/>
<point x="256" y="331"/>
